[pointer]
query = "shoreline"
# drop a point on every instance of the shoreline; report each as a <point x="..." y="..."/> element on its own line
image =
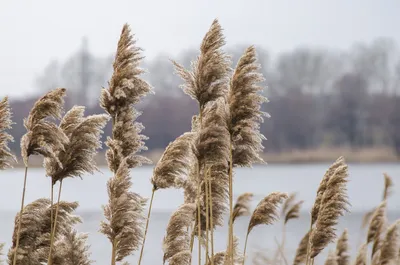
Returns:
<point x="310" y="156"/>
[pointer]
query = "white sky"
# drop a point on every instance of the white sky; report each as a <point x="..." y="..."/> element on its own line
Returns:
<point x="34" y="32"/>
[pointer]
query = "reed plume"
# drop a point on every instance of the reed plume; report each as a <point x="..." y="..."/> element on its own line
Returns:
<point x="223" y="257"/>
<point x="245" y="103"/>
<point x="376" y="258"/>
<point x="175" y="164"/>
<point x="388" y="186"/>
<point x="322" y="188"/>
<point x="301" y="252"/>
<point x="265" y="213"/>
<point x="242" y="206"/>
<point x="334" y="203"/>
<point x="1" y="253"/>
<point x="124" y="212"/>
<point x="342" y="249"/>
<point x="293" y="212"/>
<point x="6" y="157"/>
<point x="390" y="246"/>
<point x="331" y="259"/>
<point x="43" y="136"/>
<point x="35" y="230"/>
<point x="177" y="239"/>
<point x="387" y="191"/>
<point x="361" y="258"/>
<point x="207" y="79"/>
<point x="181" y="258"/>
<point x="376" y="227"/>
<point x="72" y="249"/>
<point x="76" y="157"/>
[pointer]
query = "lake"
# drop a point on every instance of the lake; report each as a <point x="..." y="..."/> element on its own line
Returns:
<point x="365" y="191"/>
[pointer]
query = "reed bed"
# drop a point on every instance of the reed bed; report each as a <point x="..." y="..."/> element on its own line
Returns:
<point x="225" y="135"/>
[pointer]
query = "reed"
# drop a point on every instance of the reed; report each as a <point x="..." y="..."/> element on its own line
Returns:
<point x="342" y="249"/>
<point x="124" y="212"/>
<point x="6" y="157"/>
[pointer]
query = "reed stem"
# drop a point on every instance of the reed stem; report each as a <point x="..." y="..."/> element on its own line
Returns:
<point x="207" y="211"/>
<point x="147" y="225"/>
<point x="53" y="233"/>
<point x="20" y="217"/>
<point x="211" y="219"/>
<point x="245" y="248"/>
<point x="230" y="203"/>
<point x="198" y="212"/>
<point x="280" y="248"/>
<point x="113" y="253"/>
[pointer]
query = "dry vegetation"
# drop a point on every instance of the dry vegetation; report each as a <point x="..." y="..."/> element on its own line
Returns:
<point x="225" y="135"/>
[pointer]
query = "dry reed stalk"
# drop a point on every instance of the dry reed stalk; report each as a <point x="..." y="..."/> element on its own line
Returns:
<point x="331" y="259"/>
<point x="6" y="157"/>
<point x="245" y="102"/>
<point x="208" y="78"/>
<point x="376" y="227"/>
<point x="125" y="210"/>
<point x="266" y="213"/>
<point x="242" y="206"/>
<point x="177" y="239"/>
<point x="43" y="137"/>
<point x="391" y="245"/>
<point x="342" y="249"/>
<point x="36" y="229"/>
<point x="76" y="157"/>
<point x="361" y="258"/>
<point x="301" y="252"/>
<point x="333" y="204"/>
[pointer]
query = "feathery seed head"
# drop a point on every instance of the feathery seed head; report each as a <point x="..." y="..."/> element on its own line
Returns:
<point x="242" y="206"/>
<point x="342" y="249"/>
<point x="377" y="226"/>
<point x="6" y="157"/>
<point x="391" y="245"/>
<point x="301" y="252"/>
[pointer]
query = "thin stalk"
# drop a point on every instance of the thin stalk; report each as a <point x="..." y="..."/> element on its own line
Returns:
<point x="192" y="238"/>
<point x="245" y="248"/>
<point x="20" y="217"/>
<point x="198" y="212"/>
<point x="230" y="203"/>
<point x="207" y="210"/>
<point x="50" y="260"/>
<point x="211" y="219"/>
<point x="51" y="206"/>
<point x="281" y="251"/>
<point x="147" y="225"/>
<point x="113" y="253"/>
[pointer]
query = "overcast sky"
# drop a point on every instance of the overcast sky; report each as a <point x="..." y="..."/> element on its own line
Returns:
<point x="35" y="32"/>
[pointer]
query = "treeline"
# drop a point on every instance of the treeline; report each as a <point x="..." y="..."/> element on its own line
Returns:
<point x="318" y="97"/>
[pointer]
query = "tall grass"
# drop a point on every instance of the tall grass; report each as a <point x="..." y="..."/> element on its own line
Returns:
<point x="225" y="134"/>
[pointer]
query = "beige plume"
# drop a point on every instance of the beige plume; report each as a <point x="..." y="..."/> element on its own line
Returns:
<point x="6" y="157"/>
<point x="388" y="186"/>
<point x="34" y="242"/>
<point x="266" y="211"/>
<point x="177" y="239"/>
<point x="301" y="252"/>
<point x="331" y="259"/>
<point x="293" y="212"/>
<point x="342" y="249"/>
<point x="391" y="245"/>
<point x="245" y="102"/>
<point x="361" y="258"/>
<point x="243" y="205"/>
<point x="209" y="74"/>
<point x="376" y="227"/>
<point x="174" y="166"/>
<point x="44" y="136"/>
<point x="334" y="203"/>
<point x="322" y="187"/>
<point x="223" y="257"/>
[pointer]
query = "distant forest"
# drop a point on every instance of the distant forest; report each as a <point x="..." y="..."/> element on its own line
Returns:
<point x="318" y="97"/>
